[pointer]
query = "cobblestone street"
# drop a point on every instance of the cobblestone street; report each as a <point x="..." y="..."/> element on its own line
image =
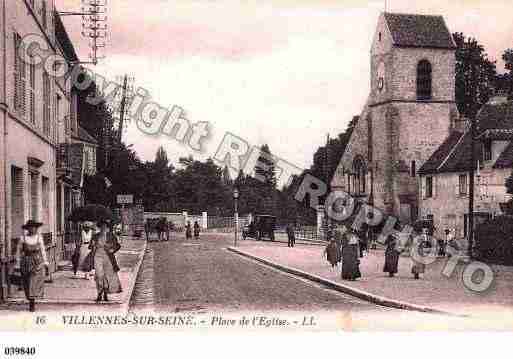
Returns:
<point x="201" y="275"/>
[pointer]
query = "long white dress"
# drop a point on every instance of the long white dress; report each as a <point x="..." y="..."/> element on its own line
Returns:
<point x="84" y="248"/>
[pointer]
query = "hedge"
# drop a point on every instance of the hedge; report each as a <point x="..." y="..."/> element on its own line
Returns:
<point x="494" y="241"/>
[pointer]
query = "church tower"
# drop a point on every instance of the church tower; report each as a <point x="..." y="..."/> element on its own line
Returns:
<point x="408" y="114"/>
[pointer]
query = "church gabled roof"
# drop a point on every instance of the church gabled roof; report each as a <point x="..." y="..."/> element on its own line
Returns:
<point x="419" y="31"/>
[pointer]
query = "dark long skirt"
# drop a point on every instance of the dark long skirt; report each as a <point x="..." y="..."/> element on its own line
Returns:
<point x="332" y="254"/>
<point x="33" y="277"/>
<point x="350" y="262"/>
<point x="391" y="261"/>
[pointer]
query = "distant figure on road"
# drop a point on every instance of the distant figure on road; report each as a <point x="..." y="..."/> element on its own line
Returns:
<point x="162" y="229"/>
<point x="417" y="254"/>
<point x="291" y="236"/>
<point x="350" y="261"/>
<point x="332" y="253"/>
<point x="188" y="231"/>
<point x="196" y="230"/>
<point x="147" y="229"/>
<point x="391" y="256"/>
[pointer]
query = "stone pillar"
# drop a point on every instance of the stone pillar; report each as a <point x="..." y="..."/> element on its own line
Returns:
<point x="204" y="220"/>
<point x="320" y="220"/>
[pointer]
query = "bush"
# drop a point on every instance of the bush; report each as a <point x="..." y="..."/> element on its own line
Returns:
<point x="494" y="241"/>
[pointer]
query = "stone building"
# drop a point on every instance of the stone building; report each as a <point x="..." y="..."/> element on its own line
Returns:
<point x="38" y="112"/>
<point x="445" y="176"/>
<point x="409" y="113"/>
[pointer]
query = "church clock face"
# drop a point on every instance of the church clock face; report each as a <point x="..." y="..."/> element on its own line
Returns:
<point x="381" y="76"/>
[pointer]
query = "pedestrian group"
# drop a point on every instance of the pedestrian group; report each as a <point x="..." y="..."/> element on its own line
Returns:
<point x="346" y="248"/>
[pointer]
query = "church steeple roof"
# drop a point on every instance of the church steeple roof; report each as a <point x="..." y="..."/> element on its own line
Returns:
<point x="419" y="31"/>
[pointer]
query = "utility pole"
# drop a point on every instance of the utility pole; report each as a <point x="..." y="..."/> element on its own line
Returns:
<point x="471" y="187"/>
<point x="122" y="109"/>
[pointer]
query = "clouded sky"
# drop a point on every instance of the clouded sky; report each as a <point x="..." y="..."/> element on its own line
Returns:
<point x="282" y="72"/>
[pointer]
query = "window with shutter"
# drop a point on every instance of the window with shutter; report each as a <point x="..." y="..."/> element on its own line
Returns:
<point x="45" y="199"/>
<point x="32" y="89"/>
<point x="17" y="206"/>
<point x="46" y="104"/>
<point x="463" y="185"/>
<point x="19" y="77"/>
<point x="428" y="188"/>
<point x="34" y="196"/>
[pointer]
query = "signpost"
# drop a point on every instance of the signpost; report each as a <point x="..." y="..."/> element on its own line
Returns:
<point x="123" y="199"/>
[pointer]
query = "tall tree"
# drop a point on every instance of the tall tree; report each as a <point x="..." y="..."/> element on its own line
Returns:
<point x="475" y="75"/>
<point x="507" y="86"/>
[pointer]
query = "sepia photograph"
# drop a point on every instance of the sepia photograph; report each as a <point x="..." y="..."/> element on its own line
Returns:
<point x="258" y="166"/>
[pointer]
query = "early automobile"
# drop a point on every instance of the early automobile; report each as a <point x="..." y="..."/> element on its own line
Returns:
<point x="262" y="226"/>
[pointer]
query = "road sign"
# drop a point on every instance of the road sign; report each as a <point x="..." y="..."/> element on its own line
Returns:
<point x="125" y="198"/>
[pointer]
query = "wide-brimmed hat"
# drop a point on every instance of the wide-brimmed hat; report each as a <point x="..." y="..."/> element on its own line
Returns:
<point x="88" y="224"/>
<point x="31" y="223"/>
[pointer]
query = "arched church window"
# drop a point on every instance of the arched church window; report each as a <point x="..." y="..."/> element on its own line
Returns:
<point x="424" y="80"/>
<point x="360" y="176"/>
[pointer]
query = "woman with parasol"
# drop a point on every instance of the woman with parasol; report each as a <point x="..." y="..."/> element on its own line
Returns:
<point x="81" y="260"/>
<point x="104" y="245"/>
<point x="32" y="261"/>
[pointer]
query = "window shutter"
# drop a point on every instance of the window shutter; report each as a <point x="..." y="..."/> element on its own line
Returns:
<point x="457" y="187"/>
<point x="434" y="185"/>
<point x="423" y="187"/>
<point x="23" y="86"/>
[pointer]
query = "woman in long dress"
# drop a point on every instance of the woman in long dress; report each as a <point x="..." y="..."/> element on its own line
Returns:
<point x="417" y="253"/>
<point x="84" y="262"/>
<point x="188" y="231"/>
<point x="104" y="245"/>
<point x="391" y="256"/>
<point x="32" y="261"/>
<point x="350" y="254"/>
<point x="196" y="230"/>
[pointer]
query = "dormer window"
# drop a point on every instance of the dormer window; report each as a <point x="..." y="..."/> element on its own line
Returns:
<point x="424" y="80"/>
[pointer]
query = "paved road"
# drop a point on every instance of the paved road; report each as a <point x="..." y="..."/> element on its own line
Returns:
<point x="202" y="276"/>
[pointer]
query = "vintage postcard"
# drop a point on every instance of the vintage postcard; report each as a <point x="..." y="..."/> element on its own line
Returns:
<point x="284" y="166"/>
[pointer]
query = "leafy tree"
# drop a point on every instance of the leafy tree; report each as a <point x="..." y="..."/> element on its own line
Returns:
<point x="507" y="78"/>
<point x="476" y="75"/>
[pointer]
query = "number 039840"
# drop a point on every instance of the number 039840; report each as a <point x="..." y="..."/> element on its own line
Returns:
<point x="19" y="351"/>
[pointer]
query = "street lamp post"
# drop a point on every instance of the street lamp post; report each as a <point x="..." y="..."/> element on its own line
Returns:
<point x="236" y="198"/>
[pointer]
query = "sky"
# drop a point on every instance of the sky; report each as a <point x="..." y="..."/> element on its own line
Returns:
<point x="281" y="72"/>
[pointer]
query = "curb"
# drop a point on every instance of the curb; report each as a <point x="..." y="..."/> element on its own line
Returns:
<point x="369" y="297"/>
<point x="126" y="304"/>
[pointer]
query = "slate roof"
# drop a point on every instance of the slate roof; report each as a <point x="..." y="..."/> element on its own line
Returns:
<point x="439" y="156"/>
<point x="505" y="159"/>
<point x="84" y="136"/>
<point x="419" y="31"/>
<point x="496" y="117"/>
<point x="62" y="37"/>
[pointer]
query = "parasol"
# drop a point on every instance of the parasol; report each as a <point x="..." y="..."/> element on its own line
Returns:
<point x="91" y="212"/>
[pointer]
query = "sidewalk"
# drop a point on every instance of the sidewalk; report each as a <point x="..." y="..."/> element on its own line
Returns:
<point x="434" y="290"/>
<point x="66" y="290"/>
